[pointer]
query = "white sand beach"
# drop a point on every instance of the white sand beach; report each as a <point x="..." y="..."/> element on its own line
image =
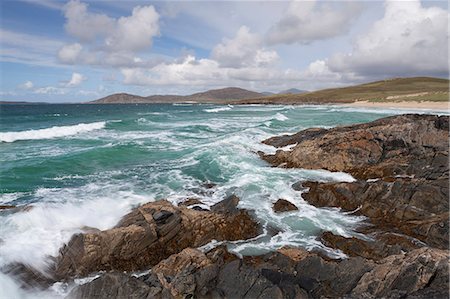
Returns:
<point x="400" y="105"/>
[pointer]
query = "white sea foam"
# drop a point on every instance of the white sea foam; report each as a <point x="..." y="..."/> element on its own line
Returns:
<point x="215" y="110"/>
<point x="281" y="117"/>
<point x="31" y="236"/>
<point x="53" y="132"/>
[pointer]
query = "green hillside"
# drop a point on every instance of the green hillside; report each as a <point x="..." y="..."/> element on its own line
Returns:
<point x="392" y="90"/>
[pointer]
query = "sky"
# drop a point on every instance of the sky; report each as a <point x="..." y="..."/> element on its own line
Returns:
<point x="75" y="51"/>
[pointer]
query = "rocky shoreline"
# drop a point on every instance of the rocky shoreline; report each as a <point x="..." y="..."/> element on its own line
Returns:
<point x="402" y="186"/>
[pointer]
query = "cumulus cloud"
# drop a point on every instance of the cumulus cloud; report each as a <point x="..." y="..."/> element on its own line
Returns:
<point x="306" y="21"/>
<point x="106" y="41"/>
<point x="135" y="32"/>
<point x="205" y="72"/>
<point x="245" y="49"/>
<point x="75" y="80"/>
<point x="409" y="40"/>
<point x="26" y="85"/>
<point x="70" y="54"/>
<point x="86" y="25"/>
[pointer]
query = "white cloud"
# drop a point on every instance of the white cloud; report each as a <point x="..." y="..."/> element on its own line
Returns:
<point x="206" y="72"/>
<point x="75" y="80"/>
<point x="409" y="40"/>
<point x="84" y="25"/>
<point x="245" y="49"/>
<point x="307" y="20"/>
<point x="106" y="41"/>
<point x="70" y="54"/>
<point x="135" y="32"/>
<point x="26" y="85"/>
<point x="50" y="90"/>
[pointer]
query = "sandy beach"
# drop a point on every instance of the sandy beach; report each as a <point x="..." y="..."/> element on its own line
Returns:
<point x="406" y="105"/>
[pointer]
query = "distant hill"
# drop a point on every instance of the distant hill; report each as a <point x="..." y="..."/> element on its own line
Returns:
<point x="22" y="103"/>
<point x="293" y="91"/>
<point x="392" y="90"/>
<point x="211" y="96"/>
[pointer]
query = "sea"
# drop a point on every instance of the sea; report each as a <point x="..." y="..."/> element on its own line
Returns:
<point x="80" y="165"/>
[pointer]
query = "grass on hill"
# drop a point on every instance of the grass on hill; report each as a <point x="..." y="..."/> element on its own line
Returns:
<point x="392" y="90"/>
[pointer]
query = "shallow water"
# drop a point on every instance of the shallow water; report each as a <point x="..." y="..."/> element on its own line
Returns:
<point x="88" y="165"/>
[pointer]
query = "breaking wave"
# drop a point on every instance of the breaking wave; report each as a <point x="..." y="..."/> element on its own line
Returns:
<point x="53" y="132"/>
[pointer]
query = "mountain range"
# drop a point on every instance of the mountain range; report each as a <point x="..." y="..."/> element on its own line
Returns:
<point x="211" y="96"/>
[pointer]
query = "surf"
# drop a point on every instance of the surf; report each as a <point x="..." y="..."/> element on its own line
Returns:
<point x="52" y="132"/>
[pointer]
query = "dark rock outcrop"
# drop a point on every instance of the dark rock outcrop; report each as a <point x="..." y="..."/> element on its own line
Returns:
<point x="112" y="285"/>
<point x="401" y="161"/>
<point x="415" y="207"/>
<point x="282" y="205"/>
<point x="397" y="145"/>
<point x="151" y="233"/>
<point x="289" y="273"/>
<point x="382" y="244"/>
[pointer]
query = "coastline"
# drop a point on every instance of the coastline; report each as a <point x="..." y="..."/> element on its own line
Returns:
<point x="405" y="105"/>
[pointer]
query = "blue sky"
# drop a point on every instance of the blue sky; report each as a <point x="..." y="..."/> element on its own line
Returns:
<point x="72" y="51"/>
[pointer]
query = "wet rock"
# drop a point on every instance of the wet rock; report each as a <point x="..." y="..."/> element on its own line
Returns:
<point x="209" y="185"/>
<point x="390" y="146"/>
<point x="283" y="205"/>
<point x="27" y="277"/>
<point x="226" y="206"/>
<point x="190" y="202"/>
<point x="382" y="245"/>
<point x="112" y="285"/>
<point x="150" y="234"/>
<point x="415" y="207"/>
<point x="298" y="186"/>
<point x="6" y="207"/>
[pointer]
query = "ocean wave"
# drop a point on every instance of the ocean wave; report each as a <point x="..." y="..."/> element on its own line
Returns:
<point x="215" y="110"/>
<point x="281" y="117"/>
<point x="53" y="132"/>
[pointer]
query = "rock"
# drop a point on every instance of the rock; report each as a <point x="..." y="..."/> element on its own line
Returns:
<point x="111" y="285"/>
<point x="422" y="271"/>
<point x="27" y="277"/>
<point x="298" y="186"/>
<point x="6" y="207"/>
<point x="149" y="234"/>
<point x="383" y="245"/>
<point x="283" y="205"/>
<point x="209" y="185"/>
<point x="190" y="202"/>
<point x="289" y="273"/>
<point x="226" y="206"/>
<point x="415" y="207"/>
<point x="390" y="146"/>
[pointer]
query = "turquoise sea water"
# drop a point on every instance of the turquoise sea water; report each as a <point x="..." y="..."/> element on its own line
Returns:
<point x="88" y="165"/>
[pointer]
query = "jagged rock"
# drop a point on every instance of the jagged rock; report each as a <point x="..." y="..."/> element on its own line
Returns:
<point x="227" y="206"/>
<point x="382" y="245"/>
<point x="288" y="273"/>
<point x="190" y="202"/>
<point x="390" y="146"/>
<point x="151" y="233"/>
<point x="421" y="273"/>
<point x="415" y="207"/>
<point x="27" y="277"/>
<point x="112" y="285"/>
<point x="283" y="205"/>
